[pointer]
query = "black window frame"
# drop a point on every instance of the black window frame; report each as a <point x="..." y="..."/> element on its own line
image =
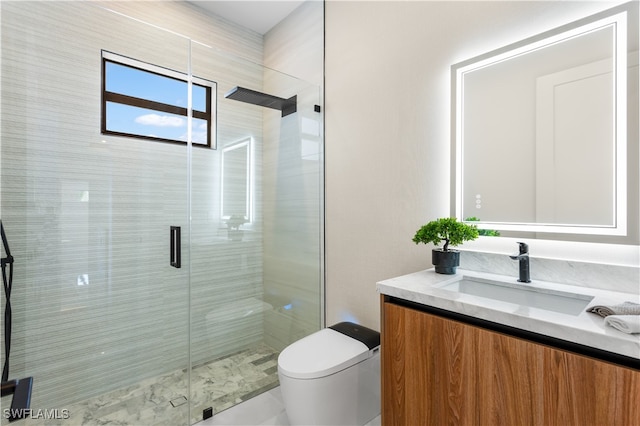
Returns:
<point x="106" y="96"/>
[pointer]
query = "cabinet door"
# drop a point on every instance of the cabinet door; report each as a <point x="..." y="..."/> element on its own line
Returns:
<point x="429" y="371"/>
<point x="437" y="371"/>
<point x="510" y="380"/>
<point x="579" y="390"/>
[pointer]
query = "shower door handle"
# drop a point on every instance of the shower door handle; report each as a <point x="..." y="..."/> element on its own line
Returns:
<point x="174" y="247"/>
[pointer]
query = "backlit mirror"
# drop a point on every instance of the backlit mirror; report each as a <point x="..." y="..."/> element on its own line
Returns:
<point x="540" y="131"/>
<point x="236" y="180"/>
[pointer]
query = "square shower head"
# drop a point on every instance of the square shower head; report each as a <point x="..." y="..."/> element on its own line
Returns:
<point x="242" y="94"/>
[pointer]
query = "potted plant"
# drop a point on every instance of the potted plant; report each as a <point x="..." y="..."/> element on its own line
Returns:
<point x="233" y="223"/>
<point x="453" y="233"/>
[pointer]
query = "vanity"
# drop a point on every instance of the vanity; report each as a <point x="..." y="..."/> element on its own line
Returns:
<point x="529" y="123"/>
<point x="453" y="357"/>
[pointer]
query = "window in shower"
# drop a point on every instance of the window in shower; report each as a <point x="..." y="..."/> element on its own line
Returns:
<point x="146" y="101"/>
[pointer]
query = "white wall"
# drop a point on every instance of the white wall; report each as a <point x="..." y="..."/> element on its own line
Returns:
<point x="387" y="127"/>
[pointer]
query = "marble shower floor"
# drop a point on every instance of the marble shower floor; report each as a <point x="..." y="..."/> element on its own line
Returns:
<point x="220" y="384"/>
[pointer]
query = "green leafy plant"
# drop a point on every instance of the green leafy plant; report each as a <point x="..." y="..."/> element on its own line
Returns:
<point x="448" y="229"/>
<point x="483" y="232"/>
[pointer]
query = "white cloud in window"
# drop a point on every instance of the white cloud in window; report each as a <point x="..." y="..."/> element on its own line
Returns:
<point x="197" y="137"/>
<point x="160" y="120"/>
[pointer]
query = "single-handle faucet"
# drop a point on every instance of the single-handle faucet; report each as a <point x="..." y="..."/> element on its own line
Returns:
<point x="523" y="259"/>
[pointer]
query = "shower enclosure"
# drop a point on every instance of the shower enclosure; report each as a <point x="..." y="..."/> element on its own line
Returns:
<point x="156" y="277"/>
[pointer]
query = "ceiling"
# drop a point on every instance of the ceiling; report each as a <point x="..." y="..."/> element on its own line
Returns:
<point x="257" y="15"/>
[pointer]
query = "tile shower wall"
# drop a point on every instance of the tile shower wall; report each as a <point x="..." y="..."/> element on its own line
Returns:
<point x="95" y="304"/>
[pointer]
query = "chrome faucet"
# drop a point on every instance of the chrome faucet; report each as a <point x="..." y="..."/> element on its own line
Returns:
<point x="523" y="260"/>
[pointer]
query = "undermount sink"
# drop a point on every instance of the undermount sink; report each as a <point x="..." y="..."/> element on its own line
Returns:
<point x="522" y="294"/>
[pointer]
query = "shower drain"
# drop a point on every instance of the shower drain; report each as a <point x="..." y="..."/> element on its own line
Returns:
<point x="176" y="402"/>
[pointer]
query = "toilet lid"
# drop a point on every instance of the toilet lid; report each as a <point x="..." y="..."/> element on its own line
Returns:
<point x="321" y="354"/>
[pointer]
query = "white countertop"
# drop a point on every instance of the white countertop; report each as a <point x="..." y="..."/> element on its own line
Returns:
<point x="585" y="328"/>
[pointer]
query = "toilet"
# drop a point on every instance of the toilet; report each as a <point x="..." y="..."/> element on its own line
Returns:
<point x="332" y="377"/>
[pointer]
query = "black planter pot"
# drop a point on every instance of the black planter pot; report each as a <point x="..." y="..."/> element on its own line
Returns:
<point x="445" y="262"/>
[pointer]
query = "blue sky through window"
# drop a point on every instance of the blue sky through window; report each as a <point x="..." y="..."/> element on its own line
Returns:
<point x="151" y="123"/>
<point x="146" y="85"/>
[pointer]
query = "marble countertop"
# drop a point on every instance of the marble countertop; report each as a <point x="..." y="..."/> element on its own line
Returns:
<point x="585" y="328"/>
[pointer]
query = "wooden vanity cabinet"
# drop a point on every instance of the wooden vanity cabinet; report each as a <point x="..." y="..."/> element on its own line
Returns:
<point x="440" y="371"/>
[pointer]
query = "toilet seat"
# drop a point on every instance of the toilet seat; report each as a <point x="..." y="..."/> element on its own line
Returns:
<point x="321" y="354"/>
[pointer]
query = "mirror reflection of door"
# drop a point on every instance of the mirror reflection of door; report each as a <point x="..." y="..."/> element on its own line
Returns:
<point x="575" y="177"/>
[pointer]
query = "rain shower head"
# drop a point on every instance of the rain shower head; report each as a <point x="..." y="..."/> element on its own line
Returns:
<point x="286" y="106"/>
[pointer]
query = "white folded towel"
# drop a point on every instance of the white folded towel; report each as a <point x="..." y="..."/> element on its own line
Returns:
<point x="626" y="323"/>
<point x="626" y="308"/>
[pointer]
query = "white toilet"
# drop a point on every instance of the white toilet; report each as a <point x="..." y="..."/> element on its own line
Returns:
<point x="332" y="377"/>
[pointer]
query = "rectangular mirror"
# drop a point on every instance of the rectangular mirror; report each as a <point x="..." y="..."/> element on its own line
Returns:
<point x="540" y="131"/>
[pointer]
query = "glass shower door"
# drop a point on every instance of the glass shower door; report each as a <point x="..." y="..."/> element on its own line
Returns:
<point x="100" y="316"/>
<point x="256" y="255"/>
<point x="108" y="322"/>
